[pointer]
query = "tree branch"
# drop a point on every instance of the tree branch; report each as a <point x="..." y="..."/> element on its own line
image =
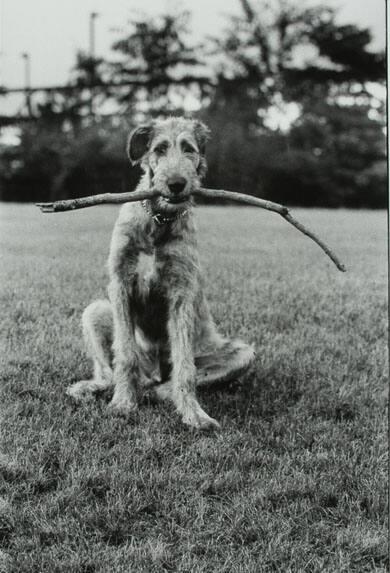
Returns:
<point x="270" y="206"/>
<point x="92" y="200"/>
<point x="81" y="203"/>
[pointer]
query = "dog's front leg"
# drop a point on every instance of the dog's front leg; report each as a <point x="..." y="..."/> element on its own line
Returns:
<point x="181" y="332"/>
<point x="126" y="361"/>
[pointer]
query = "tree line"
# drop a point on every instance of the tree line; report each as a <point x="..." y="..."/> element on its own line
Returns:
<point x="290" y="95"/>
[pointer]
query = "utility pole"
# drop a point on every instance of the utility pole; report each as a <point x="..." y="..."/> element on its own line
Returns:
<point x="27" y="81"/>
<point x="1" y="42"/>
<point x="92" y="18"/>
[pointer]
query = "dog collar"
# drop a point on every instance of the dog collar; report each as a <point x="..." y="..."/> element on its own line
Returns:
<point x="161" y="219"/>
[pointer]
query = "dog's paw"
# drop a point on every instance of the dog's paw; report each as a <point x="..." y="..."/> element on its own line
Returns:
<point x="163" y="391"/>
<point x="124" y="407"/>
<point x="197" y="419"/>
<point x="80" y="391"/>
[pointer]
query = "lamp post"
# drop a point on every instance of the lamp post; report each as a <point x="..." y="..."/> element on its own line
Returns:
<point x="92" y="18"/>
<point x="27" y="80"/>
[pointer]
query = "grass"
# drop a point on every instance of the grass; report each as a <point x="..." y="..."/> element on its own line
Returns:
<point x="296" y="479"/>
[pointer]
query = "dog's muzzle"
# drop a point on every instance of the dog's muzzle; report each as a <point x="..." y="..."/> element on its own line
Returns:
<point x="177" y="186"/>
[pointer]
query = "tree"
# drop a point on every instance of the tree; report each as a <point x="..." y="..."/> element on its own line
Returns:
<point x="73" y="103"/>
<point x="281" y="54"/>
<point x="339" y="157"/>
<point x="264" y="51"/>
<point x="157" y="58"/>
<point x="89" y="75"/>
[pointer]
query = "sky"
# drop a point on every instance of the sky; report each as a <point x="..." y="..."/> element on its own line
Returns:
<point x="52" y="31"/>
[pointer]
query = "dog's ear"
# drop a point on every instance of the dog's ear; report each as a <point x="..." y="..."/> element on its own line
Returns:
<point x="139" y="142"/>
<point x="202" y="134"/>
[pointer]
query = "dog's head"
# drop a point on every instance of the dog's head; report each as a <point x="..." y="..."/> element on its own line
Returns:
<point x="172" y="154"/>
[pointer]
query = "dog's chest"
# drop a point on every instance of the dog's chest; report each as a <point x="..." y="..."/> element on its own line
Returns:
<point x="151" y="297"/>
<point x="147" y="272"/>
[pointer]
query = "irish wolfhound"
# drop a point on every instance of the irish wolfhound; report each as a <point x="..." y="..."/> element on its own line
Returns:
<point x="156" y="328"/>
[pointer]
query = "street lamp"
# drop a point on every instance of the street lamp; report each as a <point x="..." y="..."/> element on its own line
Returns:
<point x="27" y="80"/>
<point x="92" y="18"/>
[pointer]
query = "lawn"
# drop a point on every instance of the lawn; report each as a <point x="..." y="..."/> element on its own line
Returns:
<point x="295" y="480"/>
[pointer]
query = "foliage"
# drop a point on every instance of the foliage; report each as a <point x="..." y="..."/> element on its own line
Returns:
<point x="28" y="172"/>
<point x="264" y="48"/>
<point x="155" y="54"/>
<point x="333" y="156"/>
<point x="343" y="157"/>
<point x="53" y="164"/>
<point x="334" y="152"/>
<point x="276" y="55"/>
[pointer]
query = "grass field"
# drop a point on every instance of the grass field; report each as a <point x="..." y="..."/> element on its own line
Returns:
<point x="296" y="479"/>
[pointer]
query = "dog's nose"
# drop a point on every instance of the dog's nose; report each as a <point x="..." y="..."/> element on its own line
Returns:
<point x="176" y="184"/>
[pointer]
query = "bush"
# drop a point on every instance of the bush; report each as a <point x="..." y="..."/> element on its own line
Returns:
<point x="57" y="165"/>
<point x="316" y="164"/>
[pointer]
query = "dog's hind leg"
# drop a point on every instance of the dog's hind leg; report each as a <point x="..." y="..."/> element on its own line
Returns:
<point x="218" y="365"/>
<point x="97" y="323"/>
<point x="223" y="363"/>
<point x="217" y="359"/>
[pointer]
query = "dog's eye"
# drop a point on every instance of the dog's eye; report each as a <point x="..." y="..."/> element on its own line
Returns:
<point x="161" y="149"/>
<point x="188" y="148"/>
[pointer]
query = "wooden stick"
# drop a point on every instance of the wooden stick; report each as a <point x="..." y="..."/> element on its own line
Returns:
<point x="92" y="200"/>
<point x="290" y="219"/>
<point x="81" y="203"/>
<point x="277" y="208"/>
<point x="241" y="198"/>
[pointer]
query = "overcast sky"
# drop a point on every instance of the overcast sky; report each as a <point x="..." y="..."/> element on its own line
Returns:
<point x="53" y="30"/>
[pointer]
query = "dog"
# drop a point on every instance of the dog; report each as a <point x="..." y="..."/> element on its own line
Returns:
<point x="156" y="329"/>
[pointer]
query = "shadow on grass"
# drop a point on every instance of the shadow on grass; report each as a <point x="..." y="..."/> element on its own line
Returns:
<point x="256" y="395"/>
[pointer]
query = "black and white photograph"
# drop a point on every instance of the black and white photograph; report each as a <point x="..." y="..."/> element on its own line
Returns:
<point x="194" y="350"/>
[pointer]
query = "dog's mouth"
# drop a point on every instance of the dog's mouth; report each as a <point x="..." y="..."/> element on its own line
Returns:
<point x="178" y="200"/>
<point x="174" y="200"/>
<point x="172" y="203"/>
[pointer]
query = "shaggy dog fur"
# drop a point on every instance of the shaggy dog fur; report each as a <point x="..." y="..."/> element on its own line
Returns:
<point x="156" y="328"/>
